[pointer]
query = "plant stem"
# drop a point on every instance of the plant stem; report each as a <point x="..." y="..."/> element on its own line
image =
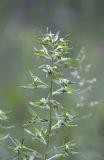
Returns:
<point x="50" y="114"/>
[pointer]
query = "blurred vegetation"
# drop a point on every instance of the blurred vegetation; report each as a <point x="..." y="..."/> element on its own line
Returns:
<point x="20" y="23"/>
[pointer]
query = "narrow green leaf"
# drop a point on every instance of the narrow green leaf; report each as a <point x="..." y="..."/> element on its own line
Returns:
<point x="32" y="112"/>
<point x="39" y="52"/>
<point x="64" y="90"/>
<point x="59" y="124"/>
<point x="4" y="137"/>
<point x="34" y="155"/>
<point x="39" y="136"/>
<point x="56" y="157"/>
<point x="56" y="36"/>
<point x="29" y="132"/>
<point x="56" y="104"/>
<point x="43" y="103"/>
<point x="63" y="82"/>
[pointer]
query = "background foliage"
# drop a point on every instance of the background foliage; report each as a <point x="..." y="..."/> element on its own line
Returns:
<point x="20" y="22"/>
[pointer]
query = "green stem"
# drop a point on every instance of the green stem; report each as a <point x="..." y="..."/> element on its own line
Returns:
<point x="50" y="114"/>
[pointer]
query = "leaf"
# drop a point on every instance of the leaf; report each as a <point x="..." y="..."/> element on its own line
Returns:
<point x="14" y="140"/>
<point x="29" y="86"/>
<point x="57" y="125"/>
<point x="67" y="116"/>
<point x="4" y="137"/>
<point x="66" y="124"/>
<point x="56" y="157"/>
<point x="33" y="113"/>
<point x="51" y="70"/>
<point x="43" y="86"/>
<point x="63" y="82"/>
<point x="43" y="103"/>
<point x="3" y="115"/>
<point x="69" y="60"/>
<point x="64" y="90"/>
<point x="29" y="132"/>
<point x="39" y="52"/>
<point x="6" y="127"/>
<point x="56" y="104"/>
<point x="47" y="39"/>
<point x="42" y="52"/>
<point x="37" y="82"/>
<point x="39" y="136"/>
<point x="62" y="42"/>
<point x="34" y="118"/>
<point x="61" y="122"/>
<point x="44" y="41"/>
<point x="45" y="49"/>
<point x="68" y="90"/>
<point x="33" y="155"/>
<point x="57" y="73"/>
<point x="56" y="36"/>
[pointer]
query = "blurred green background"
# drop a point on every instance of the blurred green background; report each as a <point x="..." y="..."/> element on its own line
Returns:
<point x="20" y="23"/>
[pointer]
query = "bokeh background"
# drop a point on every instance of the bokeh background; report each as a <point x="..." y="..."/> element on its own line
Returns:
<point x="20" y="23"/>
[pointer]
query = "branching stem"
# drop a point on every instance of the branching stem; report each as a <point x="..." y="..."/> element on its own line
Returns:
<point x="50" y="114"/>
